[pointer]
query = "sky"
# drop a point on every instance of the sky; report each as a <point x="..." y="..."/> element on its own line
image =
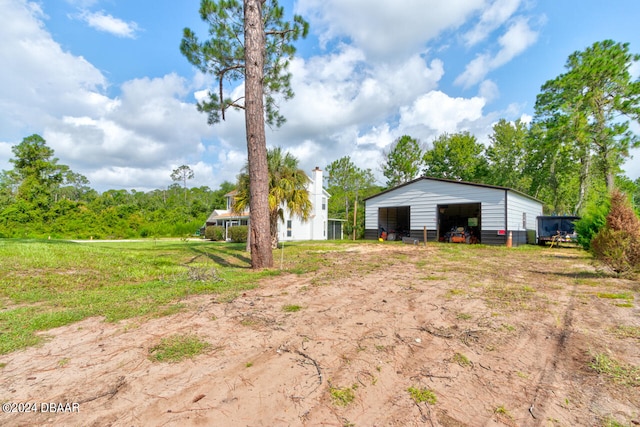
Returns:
<point x="105" y="84"/>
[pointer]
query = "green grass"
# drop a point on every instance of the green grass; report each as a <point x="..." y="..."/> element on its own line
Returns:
<point x="626" y="299"/>
<point x="291" y="308"/>
<point x="342" y="396"/>
<point x="48" y="284"/>
<point x="420" y="395"/>
<point x="177" y="348"/>
<point x="461" y="360"/>
<point x="625" y="331"/>
<point x="615" y="371"/>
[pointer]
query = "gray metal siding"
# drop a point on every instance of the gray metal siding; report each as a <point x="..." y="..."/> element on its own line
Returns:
<point x="519" y="205"/>
<point x="424" y="196"/>
<point x="501" y="209"/>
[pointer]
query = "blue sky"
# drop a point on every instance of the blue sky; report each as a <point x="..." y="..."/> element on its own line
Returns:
<point x="103" y="81"/>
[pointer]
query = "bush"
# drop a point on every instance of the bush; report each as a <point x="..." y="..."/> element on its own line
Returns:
<point x="591" y="222"/>
<point x="617" y="244"/>
<point x="214" y="232"/>
<point x="238" y="233"/>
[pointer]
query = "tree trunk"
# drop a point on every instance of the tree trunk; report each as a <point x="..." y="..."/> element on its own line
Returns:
<point x="260" y="236"/>
<point x="584" y="176"/>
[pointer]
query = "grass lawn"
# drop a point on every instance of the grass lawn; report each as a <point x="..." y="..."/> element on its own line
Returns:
<point x="46" y="284"/>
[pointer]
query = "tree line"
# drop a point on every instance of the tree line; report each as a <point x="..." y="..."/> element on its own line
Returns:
<point x="40" y="197"/>
<point x="571" y="154"/>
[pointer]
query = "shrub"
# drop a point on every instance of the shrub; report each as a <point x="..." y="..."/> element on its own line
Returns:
<point x="238" y="233"/>
<point x="617" y="244"/>
<point x="591" y="222"/>
<point x="214" y="232"/>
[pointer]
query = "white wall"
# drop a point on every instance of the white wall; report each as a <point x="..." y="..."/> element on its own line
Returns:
<point x="316" y="227"/>
<point x="519" y="204"/>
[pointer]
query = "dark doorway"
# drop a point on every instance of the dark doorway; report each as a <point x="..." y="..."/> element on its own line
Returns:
<point x="460" y="223"/>
<point x="395" y="222"/>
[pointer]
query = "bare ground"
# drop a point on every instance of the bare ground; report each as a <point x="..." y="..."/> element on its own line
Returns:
<point x="501" y="338"/>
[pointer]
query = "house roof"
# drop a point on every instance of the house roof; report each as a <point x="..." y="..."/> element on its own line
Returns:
<point x="451" y="181"/>
<point x="225" y="214"/>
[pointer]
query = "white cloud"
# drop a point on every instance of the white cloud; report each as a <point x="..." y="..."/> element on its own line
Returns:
<point x="492" y="18"/>
<point x="104" y="22"/>
<point x="388" y="29"/>
<point x="488" y="90"/>
<point x="436" y="112"/>
<point x="516" y="40"/>
<point x="39" y="80"/>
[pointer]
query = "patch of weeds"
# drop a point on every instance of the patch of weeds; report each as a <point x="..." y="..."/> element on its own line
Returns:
<point x="611" y="422"/>
<point x="463" y="316"/>
<point x="63" y="362"/>
<point x="342" y="396"/>
<point x="420" y="395"/>
<point x="202" y="274"/>
<point x="461" y="360"/>
<point x="3" y="365"/>
<point x="177" y="348"/>
<point x="503" y="412"/>
<point x="248" y="364"/>
<point x="454" y="292"/>
<point x="627" y="297"/>
<point x="434" y="278"/>
<point x="624" y="304"/>
<point x="507" y="327"/>
<point x="615" y="371"/>
<point x="291" y="308"/>
<point x="627" y="331"/>
<point x="509" y="296"/>
<point x="523" y="375"/>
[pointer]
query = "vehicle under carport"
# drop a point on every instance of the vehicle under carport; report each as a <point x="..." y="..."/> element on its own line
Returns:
<point x="459" y="223"/>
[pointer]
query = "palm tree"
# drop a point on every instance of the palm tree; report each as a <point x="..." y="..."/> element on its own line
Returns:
<point x="287" y="190"/>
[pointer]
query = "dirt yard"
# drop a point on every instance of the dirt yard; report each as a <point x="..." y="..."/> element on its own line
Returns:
<point x="481" y="336"/>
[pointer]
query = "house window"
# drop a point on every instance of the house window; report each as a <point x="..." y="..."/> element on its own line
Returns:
<point x="288" y="228"/>
<point x="524" y="220"/>
<point x="324" y="204"/>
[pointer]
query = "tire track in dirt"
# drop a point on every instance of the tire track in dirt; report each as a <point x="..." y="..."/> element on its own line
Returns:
<point x="544" y="387"/>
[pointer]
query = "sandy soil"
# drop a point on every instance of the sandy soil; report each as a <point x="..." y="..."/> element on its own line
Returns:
<point x="502" y="338"/>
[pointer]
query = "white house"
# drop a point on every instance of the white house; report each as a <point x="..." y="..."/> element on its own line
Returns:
<point x="293" y="228"/>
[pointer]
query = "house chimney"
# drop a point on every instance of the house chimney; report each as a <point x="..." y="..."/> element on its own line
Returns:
<point x="317" y="180"/>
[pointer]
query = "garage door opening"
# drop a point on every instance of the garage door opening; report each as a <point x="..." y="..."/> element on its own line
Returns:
<point x="459" y="223"/>
<point x="394" y="222"/>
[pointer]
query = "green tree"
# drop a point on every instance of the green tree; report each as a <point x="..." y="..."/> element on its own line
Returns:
<point x="76" y="186"/>
<point x="287" y="190"/>
<point x="348" y="185"/>
<point x="403" y="161"/>
<point x="182" y="174"/>
<point x="455" y="156"/>
<point x="506" y="156"/>
<point x="36" y="172"/>
<point x="589" y="109"/>
<point x="249" y="41"/>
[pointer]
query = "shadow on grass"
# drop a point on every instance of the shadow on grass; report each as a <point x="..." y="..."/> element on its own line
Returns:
<point x="577" y="274"/>
<point x="225" y="255"/>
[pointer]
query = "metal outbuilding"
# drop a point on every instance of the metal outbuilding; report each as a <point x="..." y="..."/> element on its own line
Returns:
<point x="486" y="213"/>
